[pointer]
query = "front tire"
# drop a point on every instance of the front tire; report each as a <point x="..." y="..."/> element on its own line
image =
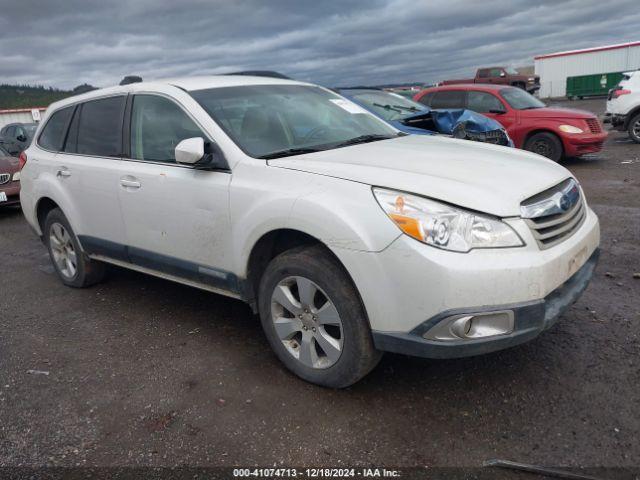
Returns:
<point x="72" y="265"/>
<point x="546" y="144"/>
<point x="313" y="318"/>
<point x="634" y="129"/>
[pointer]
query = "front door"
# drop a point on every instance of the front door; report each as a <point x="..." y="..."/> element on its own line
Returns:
<point x="176" y="217"/>
<point x="491" y="106"/>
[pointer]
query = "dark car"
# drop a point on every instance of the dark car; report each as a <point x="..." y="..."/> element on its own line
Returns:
<point x="16" y="137"/>
<point x="9" y="179"/>
<point x="412" y="117"/>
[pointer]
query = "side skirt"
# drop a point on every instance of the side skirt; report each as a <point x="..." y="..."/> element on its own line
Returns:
<point x="167" y="276"/>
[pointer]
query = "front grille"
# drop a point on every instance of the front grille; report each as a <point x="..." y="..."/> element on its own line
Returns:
<point x="555" y="214"/>
<point x="4" y="178"/>
<point x="594" y="125"/>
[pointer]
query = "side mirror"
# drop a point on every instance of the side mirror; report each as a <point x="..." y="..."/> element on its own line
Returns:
<point x="190" y="150"/>
<point x="21" y="138"/>
<point x="201" y="154"/>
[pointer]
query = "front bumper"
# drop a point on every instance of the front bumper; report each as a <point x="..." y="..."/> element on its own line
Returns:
<point x="576" y="145"/>
<point x="530" y="319"/>
<point x="409" y="282"/>
<point x="12" y="190"/>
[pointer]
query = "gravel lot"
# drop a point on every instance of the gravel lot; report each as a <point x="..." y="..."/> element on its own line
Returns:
<point x="146" y="372"/>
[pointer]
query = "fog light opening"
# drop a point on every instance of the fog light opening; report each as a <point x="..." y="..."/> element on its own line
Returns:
<point x="474" y="326"/>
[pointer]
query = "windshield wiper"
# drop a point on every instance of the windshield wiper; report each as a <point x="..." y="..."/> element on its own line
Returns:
<point x="288" y="152"/>
<point x="363" y="139"/>
<point x="533" y="107"/>
<point x="397" y="108"/>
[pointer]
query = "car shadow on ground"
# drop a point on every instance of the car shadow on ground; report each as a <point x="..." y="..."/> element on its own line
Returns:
<point x="230" y="323"/>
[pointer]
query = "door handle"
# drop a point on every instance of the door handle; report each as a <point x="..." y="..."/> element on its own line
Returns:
<point x="63" y="172"/>
<point x="130" y="183"/>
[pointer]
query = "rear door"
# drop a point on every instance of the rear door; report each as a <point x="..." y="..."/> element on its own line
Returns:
<point x="448" y="99"/>
<point x="176" y="217"/>
<point x="88" y="168"/>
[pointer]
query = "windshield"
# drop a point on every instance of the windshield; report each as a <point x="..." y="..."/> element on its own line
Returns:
<point x="277" y="120"/>
<point x="520" y="100"/>
<point x="388" y="106"/>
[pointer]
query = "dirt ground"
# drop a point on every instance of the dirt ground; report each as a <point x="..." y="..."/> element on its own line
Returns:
<point x="144" y="372"/>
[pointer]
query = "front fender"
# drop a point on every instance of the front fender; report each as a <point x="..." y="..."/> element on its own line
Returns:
<point x="341" y="214"/>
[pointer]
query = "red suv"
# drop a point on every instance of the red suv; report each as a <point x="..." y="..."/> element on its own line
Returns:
<point x="552" y="132"/>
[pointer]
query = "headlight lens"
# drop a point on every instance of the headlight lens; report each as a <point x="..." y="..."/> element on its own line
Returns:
<point x="16" y="177"/>
<point x="444" y="226"/>
<point x="570" y="129"/>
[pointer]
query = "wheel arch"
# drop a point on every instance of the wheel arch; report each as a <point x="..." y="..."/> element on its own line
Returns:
<point x="43" y="206"/>
<point x="543" y="130"/>
<point x="273" y="243"/>
<point x="631" y="115"/>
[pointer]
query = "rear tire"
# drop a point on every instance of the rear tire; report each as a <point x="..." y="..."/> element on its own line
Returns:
<point x="72" y="265"/>
<point x="634" y="129"/>
<point x="546" y="144"/>
<point x="314" y="320"/>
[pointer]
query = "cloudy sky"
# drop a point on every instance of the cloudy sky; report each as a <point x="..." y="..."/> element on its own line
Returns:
<point x="342" y="42"/>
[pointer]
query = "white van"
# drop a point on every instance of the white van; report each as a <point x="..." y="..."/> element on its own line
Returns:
<point x="348" y="237"/>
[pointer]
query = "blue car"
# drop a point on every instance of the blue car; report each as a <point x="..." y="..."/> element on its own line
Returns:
<point x="413" y="117"/>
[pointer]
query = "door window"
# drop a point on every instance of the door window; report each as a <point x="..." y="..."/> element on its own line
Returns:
<point x="157" y="126"/>
<point x="448" y="99"/>
<point x="483" y="102"/>
<point x="54" y="131"/>
<point x="495" y="72"/>
<point x="426" y="99"/>
<point x="100" y="127"/>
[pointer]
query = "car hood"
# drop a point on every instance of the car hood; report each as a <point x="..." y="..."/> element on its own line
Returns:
<point x="552" y="112"/>
<point x="473" y="175"/>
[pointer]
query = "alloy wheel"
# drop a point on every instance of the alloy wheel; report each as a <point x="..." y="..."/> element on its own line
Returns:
<point x="63" y="251"/>
<point x="307" y="322"/>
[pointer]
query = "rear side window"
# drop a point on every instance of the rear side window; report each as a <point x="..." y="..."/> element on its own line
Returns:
<point x="54" y="131"/>
<point x="157" y="126"/>
<point x="448" y="99"/>
<point x="426" y="99"/>
<point x="99" y="129"/>
<point x="483" y="73"/>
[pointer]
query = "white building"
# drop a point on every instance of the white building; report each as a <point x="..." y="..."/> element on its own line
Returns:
<point x="554" y="68"/>
<point x="20" y="115"/>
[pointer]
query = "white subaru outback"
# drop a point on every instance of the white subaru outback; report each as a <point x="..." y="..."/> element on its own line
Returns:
<point x="348" y="237"/>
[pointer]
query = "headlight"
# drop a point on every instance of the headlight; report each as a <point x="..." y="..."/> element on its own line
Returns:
<point x="531" y="79"/>
<point x="16" y="177"/>
<point x="444" y="226"/>
<point x="570" y="129"/>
